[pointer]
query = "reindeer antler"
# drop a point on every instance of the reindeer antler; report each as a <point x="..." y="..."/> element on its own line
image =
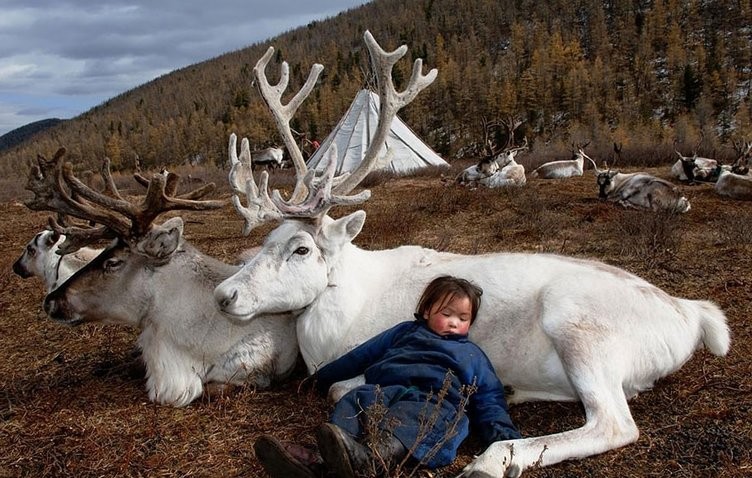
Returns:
<point x="57" y="189"/>
<point x="391" y="101"/>
<point x="314" y="195"/>
<point x="742" y="148"/>
<point x="262" y="207"/>
<point x="284" y="113"/>
<point x="511" y="124"/>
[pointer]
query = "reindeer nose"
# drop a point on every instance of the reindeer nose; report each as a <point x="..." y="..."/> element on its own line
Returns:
<point x="20" y="270"/>
<point x="225" y="302"/>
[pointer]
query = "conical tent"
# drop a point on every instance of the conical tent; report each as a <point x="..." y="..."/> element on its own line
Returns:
<point x="354" y="132"/>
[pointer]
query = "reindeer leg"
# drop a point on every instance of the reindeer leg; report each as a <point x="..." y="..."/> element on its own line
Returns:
<point x="609" y="423"/>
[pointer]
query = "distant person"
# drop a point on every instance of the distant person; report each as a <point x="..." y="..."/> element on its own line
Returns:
<point x="407" y="368"/>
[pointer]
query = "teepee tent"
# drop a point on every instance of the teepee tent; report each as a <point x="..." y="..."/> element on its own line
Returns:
<point x="354" y="132"/>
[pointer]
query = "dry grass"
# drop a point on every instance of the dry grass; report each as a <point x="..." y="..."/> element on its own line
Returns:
<point x="73" y="407"/>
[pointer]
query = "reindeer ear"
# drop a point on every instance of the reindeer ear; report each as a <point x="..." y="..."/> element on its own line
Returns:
<point x="51" y="239"/>
<point x="334" y="234"/>
<point x="161" y="241"/>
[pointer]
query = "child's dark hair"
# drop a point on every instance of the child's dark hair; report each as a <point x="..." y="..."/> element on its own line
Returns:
<point x="444" y="289"/>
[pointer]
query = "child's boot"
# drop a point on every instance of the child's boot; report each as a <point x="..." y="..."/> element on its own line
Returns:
<point x="388" y="451"/>
<point x="346" y="458"/>
<point x="286" y="460"/>
<point x="342" y="455"/>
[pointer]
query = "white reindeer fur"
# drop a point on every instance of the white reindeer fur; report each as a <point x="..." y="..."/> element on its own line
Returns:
<point x="40" y="259"/>
<point x="501" y="172"/>
<point x="471" y="175"/>
<point x="704" y="168"/>
<point x="185" y="341"/>
<point x="735" y="186"/>
<point x="600" y="342"/>
<point x="510" y="173"/>
<point x="560" y="169"/>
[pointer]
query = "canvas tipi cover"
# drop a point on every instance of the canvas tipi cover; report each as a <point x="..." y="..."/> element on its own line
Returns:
<point x="354" y="132"/>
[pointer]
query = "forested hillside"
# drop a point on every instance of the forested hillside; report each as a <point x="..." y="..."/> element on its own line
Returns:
<point x="639" y="72"/>
<point x="19" y="135"/>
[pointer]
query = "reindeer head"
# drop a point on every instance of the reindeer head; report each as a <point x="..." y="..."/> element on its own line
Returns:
<point x="605" y="182"/>
<point x="35" y="255"/>
<point x="110" y="216"/>
<point x="603" y="177"/>
<point x="304" y="248"/>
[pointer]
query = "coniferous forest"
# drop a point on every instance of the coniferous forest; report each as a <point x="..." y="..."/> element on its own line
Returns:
<point x="652" y="75"/>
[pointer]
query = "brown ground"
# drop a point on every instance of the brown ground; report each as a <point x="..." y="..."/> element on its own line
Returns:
<point x="68" y="409"/>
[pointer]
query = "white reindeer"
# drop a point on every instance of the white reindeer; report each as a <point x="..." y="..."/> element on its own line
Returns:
<point x="736" y="183"/>
<point x="40" y="259"/>
<point x="472" y="175"/>
<point x="601" y="342"/>
<point x="267" y="158"/>
<point x="694" y="168"/>
<point x="564" y="168"/>
<point x="510" y="172"/>
<point x="152" y="279"/>
<point x="497" y="169"/>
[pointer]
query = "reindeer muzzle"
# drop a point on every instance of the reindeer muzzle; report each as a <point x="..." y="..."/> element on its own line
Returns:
<point x="19" y="269"/>
<point x="57" y="310"/>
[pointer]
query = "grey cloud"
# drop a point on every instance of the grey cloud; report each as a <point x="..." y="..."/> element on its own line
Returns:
<point x="79" y="48"/>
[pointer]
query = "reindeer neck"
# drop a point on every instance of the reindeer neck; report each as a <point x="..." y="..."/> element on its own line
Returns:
<point x="361" y="287"/>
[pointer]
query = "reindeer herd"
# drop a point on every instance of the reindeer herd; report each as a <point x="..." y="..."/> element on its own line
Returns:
<point x="310" y="291"/>
<point x="638" y="190"/>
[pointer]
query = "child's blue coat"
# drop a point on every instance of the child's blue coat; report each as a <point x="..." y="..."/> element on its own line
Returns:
<point x="409" y="362"/>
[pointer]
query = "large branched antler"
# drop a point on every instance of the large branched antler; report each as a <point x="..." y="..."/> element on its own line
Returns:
<point x="46" y="181"/>
<point x="391" y="101"/>
<point x="260" y="207"/>
<point x="313" y="195"/>
<point x="272" y="94"/>
<point x="57" y="189"/>
<point x="263" y="208"/>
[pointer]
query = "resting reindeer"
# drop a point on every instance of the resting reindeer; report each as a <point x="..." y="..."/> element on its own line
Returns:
<point x="563" y="169"/>
<point x="737" y="183"/>
<point x="497" y="169"/>
<point x="473" y="175"/>
<point x="694" y="168"/>
<point x="149" y="277"/>
<point x="40" y="259"/>
<point x="510" y="173"/>
<point x="267" y="158"/>
<point x="639" y="191"/>
<point x="547" y="339"/>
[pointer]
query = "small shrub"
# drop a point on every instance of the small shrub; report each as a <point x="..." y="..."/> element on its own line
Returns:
<point x="653" y="237"/>
<point x="376" y="420"/>
<point x="736" y="228"/>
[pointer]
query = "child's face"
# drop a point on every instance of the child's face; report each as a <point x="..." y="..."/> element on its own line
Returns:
<point x="450" y="316"/>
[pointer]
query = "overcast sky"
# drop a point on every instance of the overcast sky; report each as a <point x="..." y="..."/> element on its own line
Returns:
<point x="59" y="58"/>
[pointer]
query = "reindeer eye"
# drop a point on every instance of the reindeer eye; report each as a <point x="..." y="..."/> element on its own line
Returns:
<point x="301" y="251"/>
<point x="112" y="264"/>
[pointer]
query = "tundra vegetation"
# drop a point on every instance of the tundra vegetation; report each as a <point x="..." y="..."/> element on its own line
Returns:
<point x="69" y="411"/>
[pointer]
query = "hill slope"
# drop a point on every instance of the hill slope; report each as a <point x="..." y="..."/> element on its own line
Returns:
<point x="23" y="133"/>
<point x="644" y="73"/>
